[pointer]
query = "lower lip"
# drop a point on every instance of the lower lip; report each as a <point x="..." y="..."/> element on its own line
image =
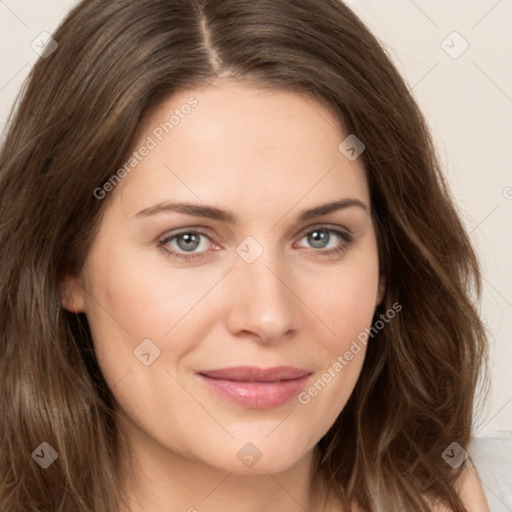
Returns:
<point x="257" y="395"/>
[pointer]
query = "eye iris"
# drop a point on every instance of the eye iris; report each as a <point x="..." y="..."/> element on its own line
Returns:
<point x="318" y="238"/>
<point x="191" y="241"/>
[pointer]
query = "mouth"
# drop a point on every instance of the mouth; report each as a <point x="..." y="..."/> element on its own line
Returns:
<point x="256" y="388"/>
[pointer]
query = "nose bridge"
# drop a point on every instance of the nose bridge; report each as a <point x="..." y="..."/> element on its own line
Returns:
<point x="263" y="304"/>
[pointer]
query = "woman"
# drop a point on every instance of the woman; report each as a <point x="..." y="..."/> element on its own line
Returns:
<point x="232" y="275"/>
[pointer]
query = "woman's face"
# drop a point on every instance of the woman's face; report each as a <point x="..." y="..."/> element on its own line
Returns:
<point x="232" y="357"/>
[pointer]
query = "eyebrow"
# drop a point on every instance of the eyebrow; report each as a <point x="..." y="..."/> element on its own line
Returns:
<point x="227" y="216"/>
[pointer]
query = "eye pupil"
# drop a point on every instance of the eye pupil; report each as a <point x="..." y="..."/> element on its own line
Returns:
<point x="191" y="241"/>
<point x="318" y="238"/>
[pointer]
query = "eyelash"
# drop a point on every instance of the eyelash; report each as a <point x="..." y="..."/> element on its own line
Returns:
<point x="340" y="249"/>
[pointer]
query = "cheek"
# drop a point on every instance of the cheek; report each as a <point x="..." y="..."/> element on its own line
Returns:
<point x="129" y="302"/>
<point x="351" y="310"/>
<point x="346" y="305"/>
<point x="136" y="299"/>
<point x="345" y="299"/>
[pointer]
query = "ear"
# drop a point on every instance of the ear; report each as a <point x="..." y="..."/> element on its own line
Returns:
<point x="72" y="294"/>
<point x="381" y="288"/>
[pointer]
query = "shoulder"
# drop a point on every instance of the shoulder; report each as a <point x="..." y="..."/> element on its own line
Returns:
<point x="470" y="491"/>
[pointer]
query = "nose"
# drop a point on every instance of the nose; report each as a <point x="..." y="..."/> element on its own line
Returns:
<point x="262" y="301"/>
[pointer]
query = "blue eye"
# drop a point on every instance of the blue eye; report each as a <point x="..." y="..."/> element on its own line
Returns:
<point x="187" y="241"/>
<point x="320" y="237"/>
<point x="183" y="245"/>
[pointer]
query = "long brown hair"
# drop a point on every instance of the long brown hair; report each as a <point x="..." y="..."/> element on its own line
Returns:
<point x="74" y="127"/>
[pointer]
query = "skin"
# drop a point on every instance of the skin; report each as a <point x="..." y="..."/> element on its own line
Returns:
<point x="470" y="490"/>
<point x="266" y="156"/>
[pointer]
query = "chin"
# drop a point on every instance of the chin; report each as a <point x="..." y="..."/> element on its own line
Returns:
<point x="258" y="458"/>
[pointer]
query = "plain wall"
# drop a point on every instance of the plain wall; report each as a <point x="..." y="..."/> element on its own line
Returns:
<point x="467" y="100"/>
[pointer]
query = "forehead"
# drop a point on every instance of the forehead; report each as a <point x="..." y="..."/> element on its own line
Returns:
<point x="230" y="140"/>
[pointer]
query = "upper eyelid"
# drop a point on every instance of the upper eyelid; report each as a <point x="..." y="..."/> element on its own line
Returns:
<point x="327" y="226"/>
<point x="205" y="231"/>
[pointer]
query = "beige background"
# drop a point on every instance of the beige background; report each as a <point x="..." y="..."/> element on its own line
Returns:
<point x="468" y="103"/>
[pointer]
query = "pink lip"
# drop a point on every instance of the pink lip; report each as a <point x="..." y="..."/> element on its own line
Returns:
<point x="254" y="387"/>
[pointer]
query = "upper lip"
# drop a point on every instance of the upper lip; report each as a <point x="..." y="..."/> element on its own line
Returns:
<point x="255" y="374"/>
